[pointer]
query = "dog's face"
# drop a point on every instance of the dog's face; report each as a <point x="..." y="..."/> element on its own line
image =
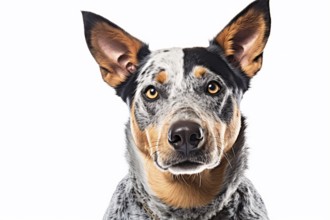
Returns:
<point x="185" y="109"/>
<point x="184" y="103"/>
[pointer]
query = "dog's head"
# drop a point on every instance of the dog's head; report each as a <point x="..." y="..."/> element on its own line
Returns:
<point x="184" y="102"/>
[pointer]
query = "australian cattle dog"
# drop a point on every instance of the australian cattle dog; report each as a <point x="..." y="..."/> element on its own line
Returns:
<point x="185" y="136"/>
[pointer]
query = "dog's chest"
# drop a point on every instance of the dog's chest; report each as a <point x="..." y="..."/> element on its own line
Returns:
<point x="128" y="202"/>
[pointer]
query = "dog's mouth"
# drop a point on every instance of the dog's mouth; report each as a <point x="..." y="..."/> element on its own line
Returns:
<point x="178" y="163"/>
<point x="183" y="167"/>
<point x="186" y="167"/>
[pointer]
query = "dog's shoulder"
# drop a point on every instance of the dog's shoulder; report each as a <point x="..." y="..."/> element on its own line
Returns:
<point x="244" y="203"/>
<point x="123" y="203"/>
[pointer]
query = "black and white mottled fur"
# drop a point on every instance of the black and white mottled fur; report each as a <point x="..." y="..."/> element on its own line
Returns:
<point x="184" y="97"/>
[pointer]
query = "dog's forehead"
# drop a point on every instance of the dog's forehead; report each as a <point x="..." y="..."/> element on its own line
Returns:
<point x="173" y="66"/>
<point x="169" y="61"/>
<point x="176" y="63"/>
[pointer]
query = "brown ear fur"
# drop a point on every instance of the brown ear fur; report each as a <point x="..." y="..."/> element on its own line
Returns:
<point x="114" y="50"/>
<point x="245" y="37"/>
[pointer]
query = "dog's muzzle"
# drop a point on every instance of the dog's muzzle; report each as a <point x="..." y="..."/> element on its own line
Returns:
<point x="186" y="137"/>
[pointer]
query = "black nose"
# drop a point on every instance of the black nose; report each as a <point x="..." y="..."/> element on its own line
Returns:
<point x="185" y="136"/>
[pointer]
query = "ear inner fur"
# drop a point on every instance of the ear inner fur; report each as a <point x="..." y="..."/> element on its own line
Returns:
<point x="244" y="39"/>
<point x="114" y="50"/>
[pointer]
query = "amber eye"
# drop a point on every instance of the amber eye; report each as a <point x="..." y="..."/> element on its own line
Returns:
<point x="213" y="88"/>
<point x="151" y="93"/>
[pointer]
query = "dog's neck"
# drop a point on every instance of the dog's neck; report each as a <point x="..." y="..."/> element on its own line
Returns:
<point x="213" y="186"/>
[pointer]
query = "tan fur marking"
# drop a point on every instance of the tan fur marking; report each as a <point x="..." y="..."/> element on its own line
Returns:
<point x="199" y="71"/>
<point x="185" y="191"/>
<point x="228" y="132"/>
<point x="140" y="138"/>
<point x="110" y="77"/>
<point x="161" y="77"/>
<point x="232" y="129"/>
<point x="198" y="189"/>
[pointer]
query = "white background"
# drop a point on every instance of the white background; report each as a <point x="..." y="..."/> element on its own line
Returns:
<point x="62" y="128"/>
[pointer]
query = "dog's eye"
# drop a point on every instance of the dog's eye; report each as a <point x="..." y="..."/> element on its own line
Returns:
<point x="213" y="88"/>
<point x="151" y="93"/>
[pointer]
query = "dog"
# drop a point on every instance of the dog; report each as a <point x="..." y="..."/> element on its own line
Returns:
<point x="185" y="136"/>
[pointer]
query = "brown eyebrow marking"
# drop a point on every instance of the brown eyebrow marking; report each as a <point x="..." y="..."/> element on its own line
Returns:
<point x="161" y="77"/>
<point x="199" y="71"/>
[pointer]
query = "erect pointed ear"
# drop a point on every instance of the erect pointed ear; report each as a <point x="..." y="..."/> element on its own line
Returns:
<point x="116" y="51"/>
<point x="245" y="37"/>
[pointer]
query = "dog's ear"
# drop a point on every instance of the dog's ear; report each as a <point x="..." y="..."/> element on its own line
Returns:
<point x="245" y="37"/>
<point x="115" y="50"/>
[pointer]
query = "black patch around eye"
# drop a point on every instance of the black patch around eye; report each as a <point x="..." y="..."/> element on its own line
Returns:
<point x="227" y="111"/>
<point x="207" y="57"/>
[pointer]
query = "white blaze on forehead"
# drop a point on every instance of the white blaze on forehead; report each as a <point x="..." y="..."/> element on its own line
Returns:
<point x="170" y="60"/>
